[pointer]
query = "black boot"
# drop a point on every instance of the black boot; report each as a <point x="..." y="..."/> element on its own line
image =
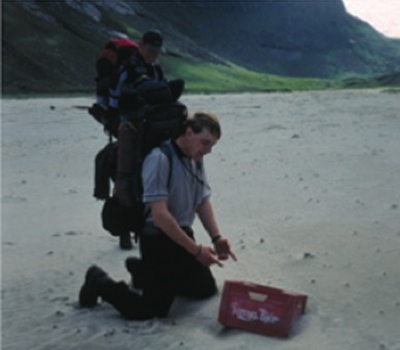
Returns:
<point x="94" y="280"/>
<point x="125" y="241"/>
<point x="136" y="269"/>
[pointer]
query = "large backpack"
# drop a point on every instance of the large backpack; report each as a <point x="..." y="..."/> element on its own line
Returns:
<point x="113" y="56"/>
<point x="115" y="53"/>
<point x="154" y="125"/>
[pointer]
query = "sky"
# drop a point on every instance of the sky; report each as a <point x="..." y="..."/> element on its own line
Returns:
<point x="383" y="15"/>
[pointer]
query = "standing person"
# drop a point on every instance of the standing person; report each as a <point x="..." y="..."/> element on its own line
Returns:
<point x="172" y="264"/>
<point x="139" y="74"/>
<point x="141" y="81"/>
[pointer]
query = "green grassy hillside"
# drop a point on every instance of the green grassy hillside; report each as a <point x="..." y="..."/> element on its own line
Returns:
<point x="42" y="57"/>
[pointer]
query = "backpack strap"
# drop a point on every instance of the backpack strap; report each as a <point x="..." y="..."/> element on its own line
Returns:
<point x="168" y="152"/>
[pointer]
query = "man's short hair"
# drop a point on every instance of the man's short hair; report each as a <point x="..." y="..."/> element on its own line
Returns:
<point x="200" y="120"/>
<point x="153" y="39"/>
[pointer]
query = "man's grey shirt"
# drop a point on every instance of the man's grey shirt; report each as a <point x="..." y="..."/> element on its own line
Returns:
<point x="184" y="188"/>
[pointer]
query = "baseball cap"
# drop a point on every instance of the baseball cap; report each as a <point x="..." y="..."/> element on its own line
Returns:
<point x="153" y="39"/>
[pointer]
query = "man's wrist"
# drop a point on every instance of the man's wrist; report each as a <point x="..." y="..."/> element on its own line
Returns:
<point x="198" y="252"/>
<point x="215" y="239"/>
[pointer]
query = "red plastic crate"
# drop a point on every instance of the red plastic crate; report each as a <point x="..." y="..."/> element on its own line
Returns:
<point x="260" y="309"/>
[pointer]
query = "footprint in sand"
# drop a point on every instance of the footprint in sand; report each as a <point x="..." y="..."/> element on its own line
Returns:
<point x="14" y="199"/>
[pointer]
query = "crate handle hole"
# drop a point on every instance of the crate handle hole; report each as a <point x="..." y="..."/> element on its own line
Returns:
<point x="258" y="296"/>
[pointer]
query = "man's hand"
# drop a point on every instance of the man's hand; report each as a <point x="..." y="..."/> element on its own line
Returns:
<point x="223" y="249"/>
<point x="207" y="256"/>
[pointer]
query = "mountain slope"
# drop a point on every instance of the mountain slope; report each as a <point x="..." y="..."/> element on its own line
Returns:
<point x="296" y="38"/>
<point x="51" y="46"/>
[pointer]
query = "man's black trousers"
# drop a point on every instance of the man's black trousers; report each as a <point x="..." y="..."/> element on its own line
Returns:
<point x="169" y="271"/>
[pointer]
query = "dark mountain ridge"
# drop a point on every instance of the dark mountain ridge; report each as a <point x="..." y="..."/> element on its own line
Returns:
<point x="52" y="45"/>
<point x="295" y="38"/>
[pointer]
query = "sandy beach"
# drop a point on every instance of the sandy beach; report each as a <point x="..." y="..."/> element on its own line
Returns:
<point x="306" y="186"/>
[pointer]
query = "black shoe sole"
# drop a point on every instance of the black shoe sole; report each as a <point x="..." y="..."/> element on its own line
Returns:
<point x="125" y="242"/>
